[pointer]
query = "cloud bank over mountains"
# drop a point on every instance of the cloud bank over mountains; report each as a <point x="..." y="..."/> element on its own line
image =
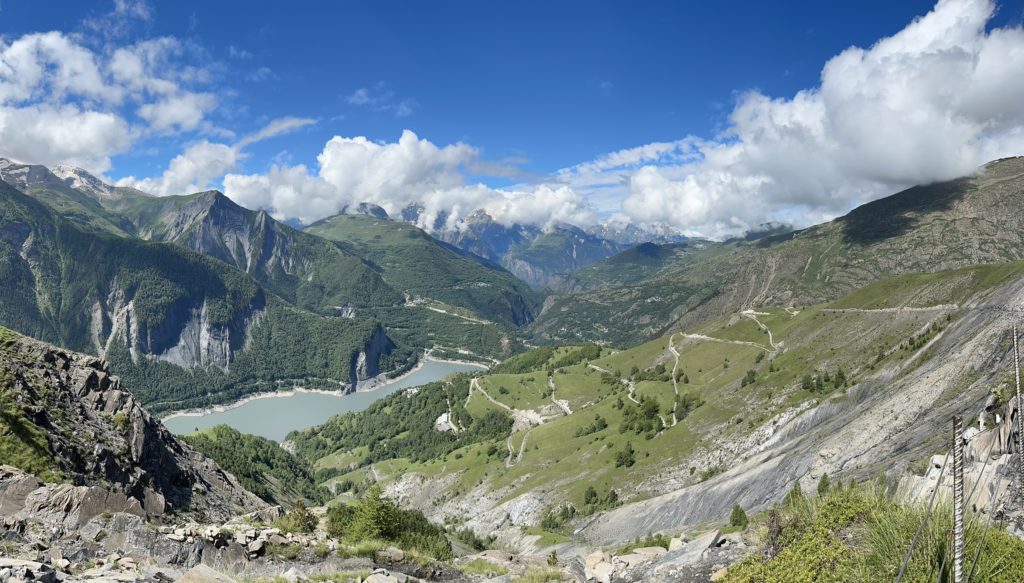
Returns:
<point x="396" y="175"/>
<point x="932" y="102"/>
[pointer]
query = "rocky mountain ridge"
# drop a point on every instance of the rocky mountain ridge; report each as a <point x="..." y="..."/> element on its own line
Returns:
<point x="75" y="420"/>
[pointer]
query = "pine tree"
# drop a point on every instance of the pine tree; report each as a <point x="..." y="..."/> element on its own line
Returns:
<point x="807" y="383"/>
<point x="738" y="518"/>
<point x="625" y="457"/>
<point x="795" y="494"/>
<point x="375" y="518"/>
<point x="840" y="378"/>
<point x="823" y="485"/>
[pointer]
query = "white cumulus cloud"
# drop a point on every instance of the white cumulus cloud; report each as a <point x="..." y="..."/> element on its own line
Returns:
<point x="203" y="162"/>
<point x="63" y="101"/>
<point x="932" y="102"/>
<point x="190" y="171"/>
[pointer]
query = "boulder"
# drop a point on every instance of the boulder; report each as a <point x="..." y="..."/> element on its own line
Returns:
<point x="675" y="544"/>
<point x="21" y="570"/>
<point x="603" y="572"/>
<point x="691" y="553"/>
<point x="381" y="578"/>
<point x="266" y="515"/>
<point x="719" y="574"/>
<point x="595" y="558"/>
<point x="127" y="563"/>
<point x="256" y="548"/>
<point x="15" y="486"/>
<point x="391" y="555"/>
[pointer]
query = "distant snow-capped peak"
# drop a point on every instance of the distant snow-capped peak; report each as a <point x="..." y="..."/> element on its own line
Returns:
<point x="81" y="180"/>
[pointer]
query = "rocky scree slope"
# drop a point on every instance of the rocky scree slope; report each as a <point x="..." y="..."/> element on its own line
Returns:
<point x="897" y="416"/>
<point x="915" y="350"/>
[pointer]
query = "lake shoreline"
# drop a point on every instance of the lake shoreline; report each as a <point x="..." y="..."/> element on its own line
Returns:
<point x="368" y="386"/>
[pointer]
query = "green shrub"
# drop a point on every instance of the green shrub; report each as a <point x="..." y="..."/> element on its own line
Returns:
<point x="284" y="552"/>
<point x="299" y="519"/>
<point x="861" y="534"/>
<point x="626" y="457"/>
<point x="651" y="540"/>
<point x="711" y="473"/>
<point x="376" y="518"/>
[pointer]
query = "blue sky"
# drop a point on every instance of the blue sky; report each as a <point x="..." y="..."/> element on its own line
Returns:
<point x="530" y="88"/>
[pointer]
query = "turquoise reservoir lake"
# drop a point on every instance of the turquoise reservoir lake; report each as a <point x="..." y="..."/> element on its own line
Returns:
<point x="274" y="415"/>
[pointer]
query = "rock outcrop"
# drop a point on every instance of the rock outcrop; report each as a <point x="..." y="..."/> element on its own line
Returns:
<point x="365" y="364"/>
<point x="111" y="453"/>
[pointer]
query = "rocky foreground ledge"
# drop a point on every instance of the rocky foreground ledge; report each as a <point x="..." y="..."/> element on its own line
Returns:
<point x="58" y="532"/>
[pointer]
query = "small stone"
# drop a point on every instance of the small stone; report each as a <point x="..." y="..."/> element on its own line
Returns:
<point x="127" y="563"/>
<point x="650" y="552"/>
<point x="719" y="574"/>
<point x="176" y="537"/>
<point x="629" y="560"/>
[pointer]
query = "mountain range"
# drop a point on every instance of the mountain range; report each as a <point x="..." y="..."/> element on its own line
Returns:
<point x="198" y="282"/>
<point x="651" y="290"/>
<point x="653" y="391"/>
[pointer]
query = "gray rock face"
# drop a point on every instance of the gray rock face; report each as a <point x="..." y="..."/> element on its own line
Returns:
<point x="114" y="454"/>
<point x="365" y="363"/>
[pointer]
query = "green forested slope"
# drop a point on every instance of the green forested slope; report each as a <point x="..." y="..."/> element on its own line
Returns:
<point x="132" y="300"/>
<point x="411" y="260"/>
<point x="260" y="465"/>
